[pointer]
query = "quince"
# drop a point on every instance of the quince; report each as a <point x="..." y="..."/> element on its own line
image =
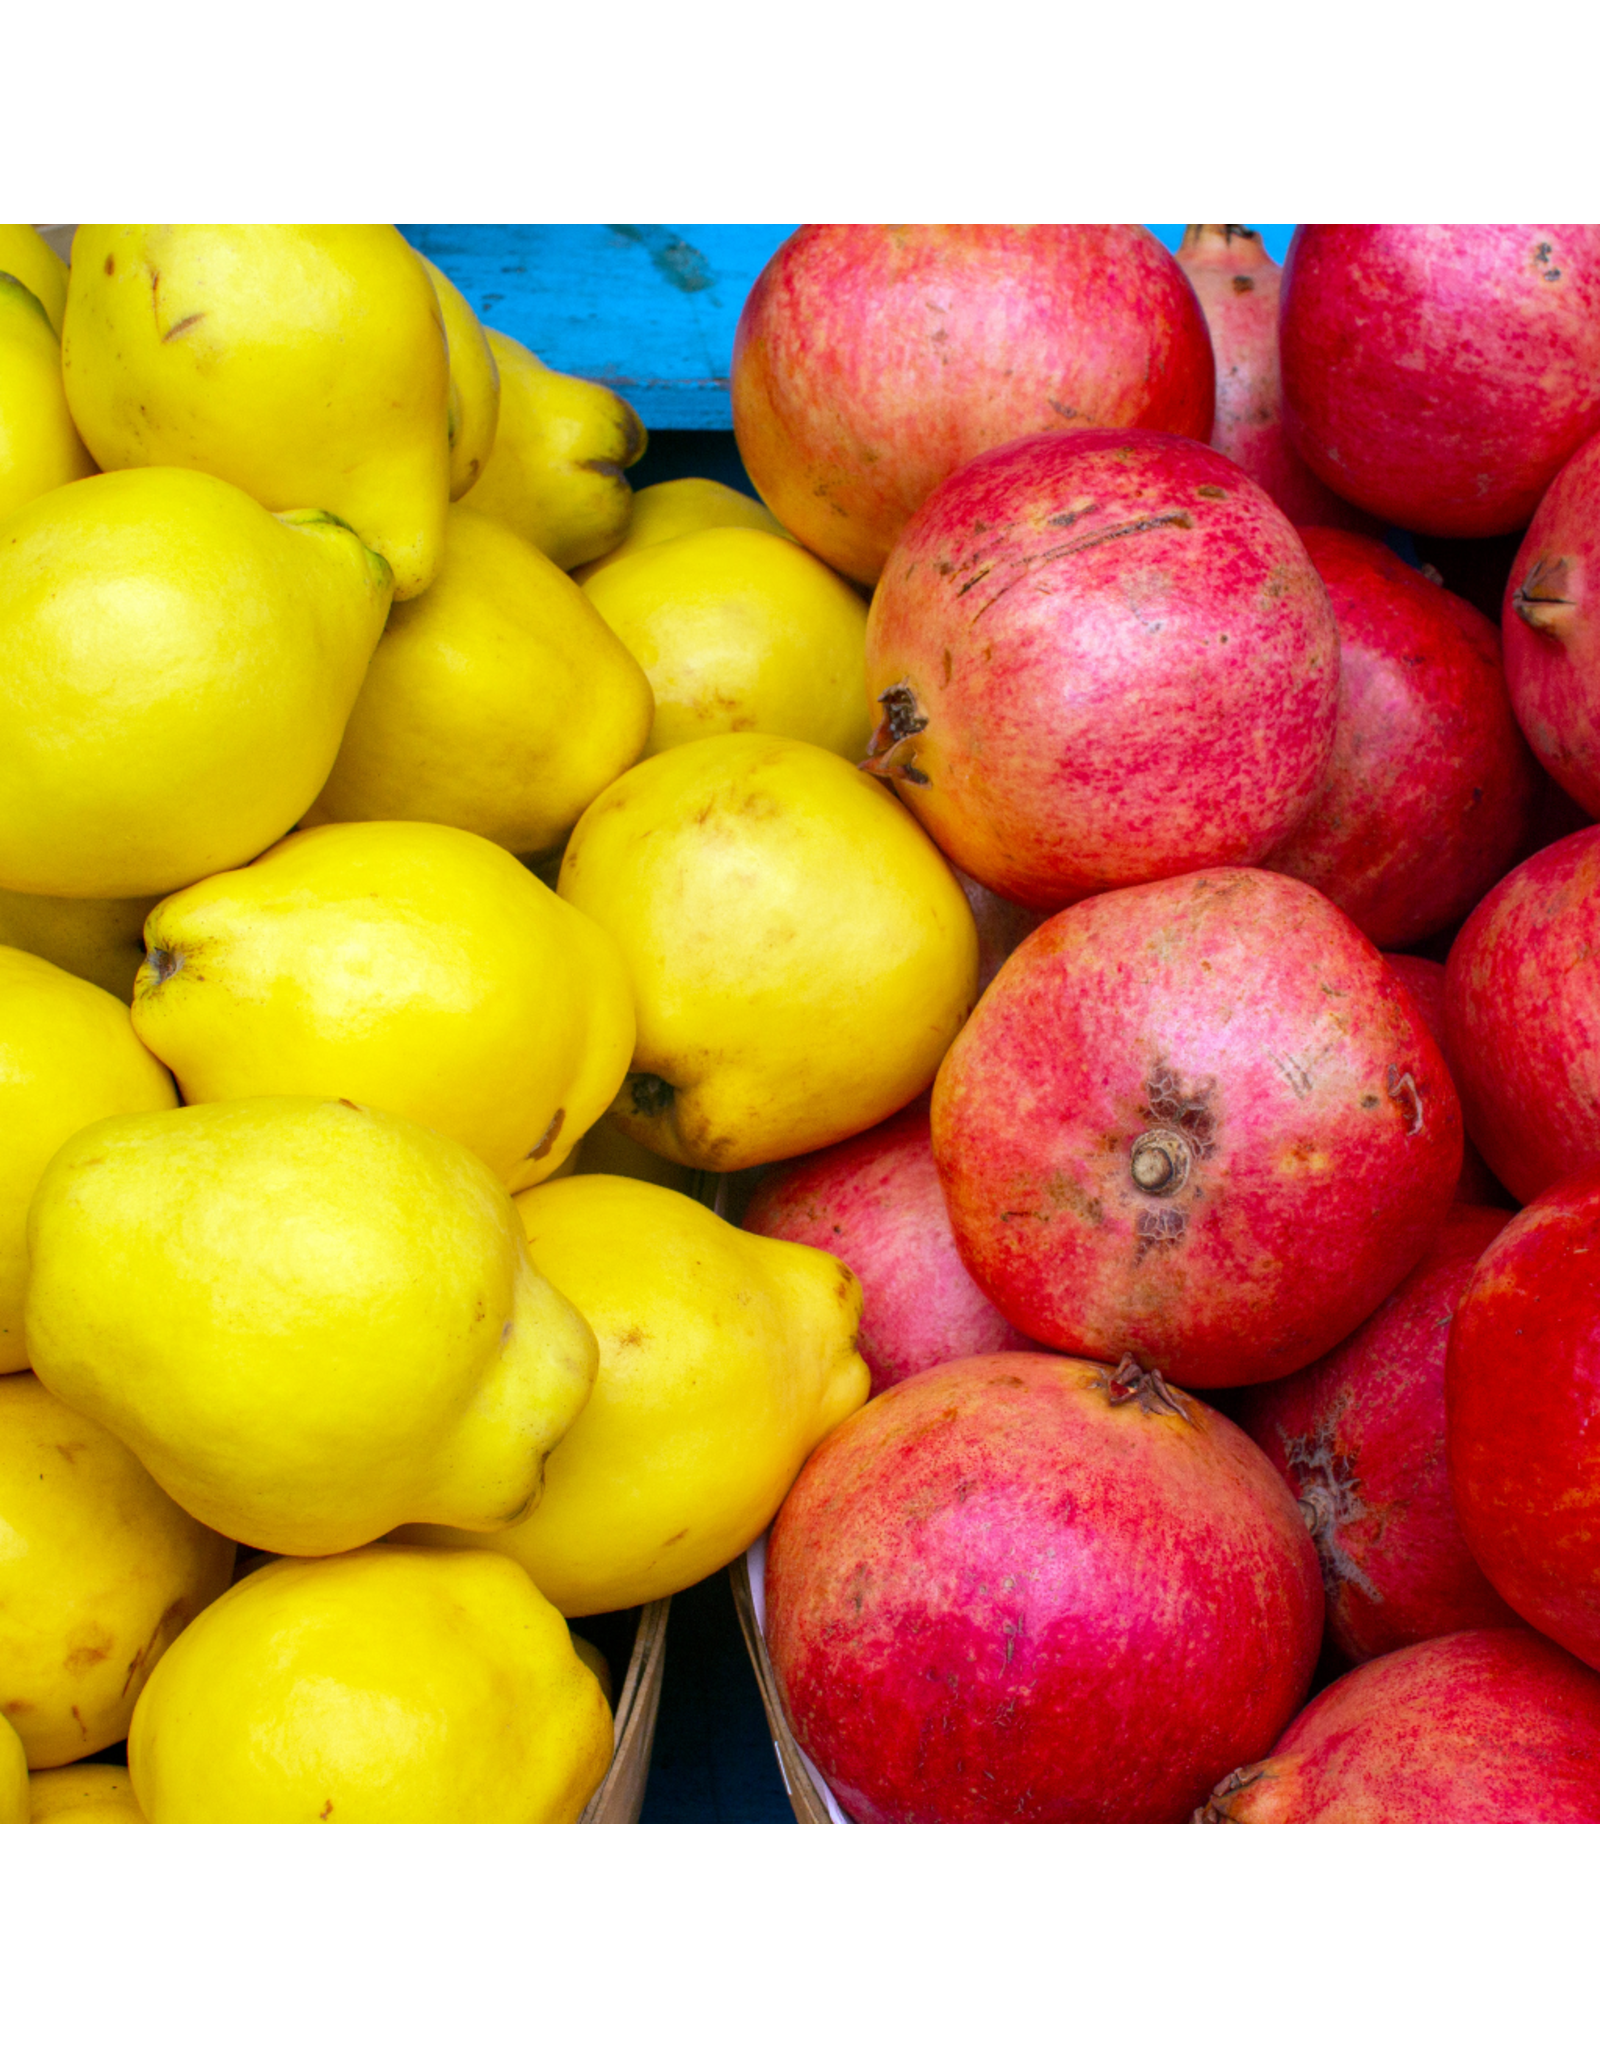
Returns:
<point x="556" y="473"/>
<point x="308" y="1320"/>
<point x="390" y="1685"/>
<point x="68" y="1057"/>
<point x="99" y="1573"/>
<point x="13" y="1776"/>
<point x="801" y="952"/>
<point x="100" y="939"/>
<point x="724" y="1361"/>
<point x="83" y="1793"/>
<point x="683" y="504"/>
<point x="306" y="365"/>
<point x="179" y="667"/>
<point x="39" y="445"/>
<point x="413" y="967"/>
<point x="474" y="384"/>
<point x="500" y="702"/>
<point x="29" y="258"/>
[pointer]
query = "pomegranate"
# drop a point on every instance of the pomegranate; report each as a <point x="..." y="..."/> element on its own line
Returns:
<point x="1431" y="788"/>
<point x="1002" y="926"/>
<point x="875" y="1202"/>
<point x="1359" y="1436"/>
<point x="1522" y="1017"/>
<point x="1438" y="377"/>
<point x="1101" y="658"/>
<point x="1552" y="655"/>
<point x="1020" y="1588"/>
<point x="1522" y="1392"/>
<point x="1198" y="1121"/>
<point x="1237" y="282"/>
<point x="1490" y="1724"/>
<point x="1423" y="981"/>
<point x="870" y="362"/>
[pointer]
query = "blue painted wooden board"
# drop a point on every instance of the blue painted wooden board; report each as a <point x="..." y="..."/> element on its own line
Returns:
<point x="648" y="310"/>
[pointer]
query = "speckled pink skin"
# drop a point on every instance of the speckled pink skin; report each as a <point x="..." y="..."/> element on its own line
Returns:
<point x="1522" y="1395"/>
<point x="1438" y="377"/>
<point x="1359" y="1437"/>
<point x="1101" y="658"/>
<point x="1237" y="284"/>
<point x="1423" y="981"/>
<point x="1551" y="624"/>
<point x="997" y="1594"/>
<point x="876" y="1203"/>
<point x="870" y="362"/>
<point x="1522" y="1017"/>
<point x="1485" y="1725"/>
<point x="1431" y="788"/>
<point x="1234" y="1028"/>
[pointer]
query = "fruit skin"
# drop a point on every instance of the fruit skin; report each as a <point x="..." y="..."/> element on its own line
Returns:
<point x="100" y="1793"/>
<point x="310" y="1321"/>
<point x="411" y="967"/>
<point x="724" y="1360"/>
<point x="1113" y="1578"/>
<point x="1521" y="992"/>
<point x="1359" y="1438"/>
<point x="1101" y="658"/>
<point x="1238" y="286"/>
<point x="180" y="665"/>
<point x="13" y="1776"/>
<point x="1487" y="1725"/>
<point x="39" y="445"/>
<point x="864" y="363"/>
<point x="68" y="1056"/>
<point x="29" y="258"/>
<point x="1431" y="788"/>
<point x="100" y="1574"/>
<point x="1438" y="377"/>
<point x="555" y="475"/>
<point x="306" y="365"/>
<point x="1548" y="619"/>
<point x="875" y="1202"/>
<point x="741" y="632"/>
<point x="100" y="939"/>
<point x="1521" y="1387"/>
<point x="1199" y="1121"/>
<point x="1423" y="981"/>
<point x="500" y="701"/>
<point x="683" y="504"/>
<point x="801" y="954"/>
<point x="474" y="384"/>
<point x="393" y="1685"/>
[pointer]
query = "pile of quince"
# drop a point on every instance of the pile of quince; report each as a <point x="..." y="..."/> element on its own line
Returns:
<point x="360" y="1320"/>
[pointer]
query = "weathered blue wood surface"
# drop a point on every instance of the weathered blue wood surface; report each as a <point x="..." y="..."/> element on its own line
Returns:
<point x="648" y="310"/>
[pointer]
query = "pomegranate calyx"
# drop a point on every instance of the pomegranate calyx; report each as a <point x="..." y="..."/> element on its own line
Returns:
<point x="1215" y="1811"/>
<point x="1545" y="600"/>
<point x="1132" y="1381"/>
<point x="892" y="752"/>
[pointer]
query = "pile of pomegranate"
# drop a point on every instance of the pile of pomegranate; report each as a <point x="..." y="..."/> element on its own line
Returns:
<point x="1233" y="1302"/>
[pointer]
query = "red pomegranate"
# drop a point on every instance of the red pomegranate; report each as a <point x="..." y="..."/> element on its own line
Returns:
<point x="1438" y="377"/>
<point x="1237" y="283"/>
<point x="1522" y="1017"/>
<point x="1020" y="1588"/>
<point x="1522" y="1391"/>
<point x="1198" y="1121"/>
<point x="1431" y="788"/>
<point x="1423" y="981"/>
<point x="1552" y="633"/>
<point x="871" y="362"/>
<point x="1101" y="658"/>
<point x="1488" y="1724"/>
<point x="875" y="1202"/>
<point x="1359" y="1436"/>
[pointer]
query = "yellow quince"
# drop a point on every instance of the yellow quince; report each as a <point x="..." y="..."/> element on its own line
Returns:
<point x="39" y="445"/>
<point x="100" y="939"/>
<point x="307" y="365"/>
<point x="309" y="1321"/>
<point x="556" y="472"/>
<point x="800" y="950"/>
<point x="412" y="967"/>
<point x="83" y="1793"/>
<point x="99" y="1573"/>
<point x="179" y="666"/>
<point x="724" y="1361"/>
<point x="474" y="384"/>
<point x="68" y="1057"/>
<point x="391" y="1685"/>
<point x="13" y="1776"/>
<point x="29" y="258"/>
<point x="683" y="504"/>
